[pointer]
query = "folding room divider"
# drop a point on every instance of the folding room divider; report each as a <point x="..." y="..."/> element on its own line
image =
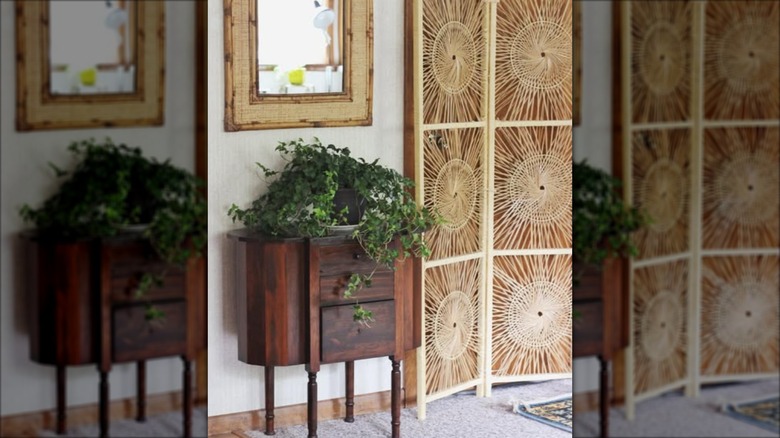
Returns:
<point x="700" y="89"/>
<point x="490" y="137"/>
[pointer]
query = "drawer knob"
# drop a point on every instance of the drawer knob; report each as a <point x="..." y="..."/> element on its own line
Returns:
<point x="357" y="256"/>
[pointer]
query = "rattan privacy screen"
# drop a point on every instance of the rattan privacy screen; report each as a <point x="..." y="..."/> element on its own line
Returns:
<point x="700" y="89"/>
<point x="491" y="84"/>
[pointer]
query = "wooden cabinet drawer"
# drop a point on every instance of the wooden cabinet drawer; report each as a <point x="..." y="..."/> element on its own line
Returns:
<point x="588" y="285"/>
<point x="344" y="339"/>
<point x="588" y="328"/>
<point x="332" y="289"/>
<point x="129" y="261"/>
<point x="346" y="259"/>
<point x="135" y="338"/>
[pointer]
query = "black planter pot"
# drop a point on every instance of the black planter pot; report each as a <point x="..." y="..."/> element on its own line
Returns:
<point x="354" y="203"/>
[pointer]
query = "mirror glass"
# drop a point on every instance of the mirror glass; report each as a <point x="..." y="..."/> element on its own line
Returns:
<point x="300" y="48"/>
<point x="92" y="46"/>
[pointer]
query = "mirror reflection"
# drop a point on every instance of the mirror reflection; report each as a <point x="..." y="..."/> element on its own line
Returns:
<point x="300" y="47"/>
<point x="92" y="46"/>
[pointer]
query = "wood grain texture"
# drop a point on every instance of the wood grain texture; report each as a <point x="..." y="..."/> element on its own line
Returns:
<point x="533" y="60"/>
<point x="742" y="60"/>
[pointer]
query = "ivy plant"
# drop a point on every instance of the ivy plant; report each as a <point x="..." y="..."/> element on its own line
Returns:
<point x="601" y="222"/>
<point x="299" y="203"/>
<point x="112" y="186"/>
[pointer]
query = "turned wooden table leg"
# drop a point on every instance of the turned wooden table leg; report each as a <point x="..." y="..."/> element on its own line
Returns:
<point x="395" y="397"/>
<point x="103" y="410"/>
<point x="349" y="368"/>
<point x="604" y="397"/>
<point x="61" y="399"/>
<point x="269" y="400"/>
<point x="140" y="398"/>
<point x="312" y="405"/>
<point x="187" y="402"/>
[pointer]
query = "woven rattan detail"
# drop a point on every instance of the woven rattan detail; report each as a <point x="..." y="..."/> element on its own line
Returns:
<point x="661" y="189"/>
<point x="663" y="193"/>
<point x="533" y="60"/>
<point x="739" y="315"/>
<point x="742" y="60"/>
<point x="660" y="60"/>
<point x="453" y="181"/>
<point x="741" y="188"/>
<point x="532" y="315"/>
<point x="660" y="303"/>
<point x="453" y="61"/>
<point x="452" y="324"/>
<point x="533" y="188"/>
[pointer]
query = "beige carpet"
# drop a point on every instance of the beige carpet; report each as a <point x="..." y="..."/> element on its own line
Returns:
<point x="165" y="425"/>
<point x="462" y="415"/>
<point x="674" y="415"/>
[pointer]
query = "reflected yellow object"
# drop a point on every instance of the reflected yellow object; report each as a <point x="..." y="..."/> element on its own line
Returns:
<point x="88" y="76"/>
<point x="296" y="76"/>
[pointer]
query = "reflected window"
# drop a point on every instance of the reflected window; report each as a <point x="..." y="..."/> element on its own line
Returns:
<point x="92" y="46"/>
<point x="299" y="46"/>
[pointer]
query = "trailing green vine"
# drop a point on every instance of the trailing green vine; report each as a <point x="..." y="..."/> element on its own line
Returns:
<point x="299" y="198"/>
<point x="113" y="186"/>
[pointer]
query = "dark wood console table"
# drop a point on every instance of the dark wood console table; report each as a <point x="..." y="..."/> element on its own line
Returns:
<point x="83" y="311"/>
<point x="290" y="311"/>
<point x="602" y="327"/>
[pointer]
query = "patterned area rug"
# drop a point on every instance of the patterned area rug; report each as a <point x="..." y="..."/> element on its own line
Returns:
<point x="555" y="412"/>
<point x="764" y="412"/>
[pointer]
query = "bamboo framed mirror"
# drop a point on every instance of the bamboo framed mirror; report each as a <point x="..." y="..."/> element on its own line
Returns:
<point x="298" y="63"/>
<point x="82" y="64"/>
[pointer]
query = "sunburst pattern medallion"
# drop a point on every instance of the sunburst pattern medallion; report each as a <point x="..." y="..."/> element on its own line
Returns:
<point x="661" y="178"/>
<point x="533" y="60"/>
<point x="741" y="188"/>
<point x="660" y="300"/>
<point x="532" y="188"/>
<point x="660" y="60"/>
<point x="453" y="61"/>
<point x="454" y="187"/>
<point x="532" y="315"/>
<point x="742" y="60"/>
<point x="452" y="324"/>
<point x="739" y="315"/>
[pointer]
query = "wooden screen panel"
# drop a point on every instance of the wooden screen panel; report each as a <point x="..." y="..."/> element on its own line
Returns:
<point x="453" y="307"/>
<point x="453" y="179"/>
<point x="660" y="327"/>
<point x="660" y="61"/>
<point x="453" y="61"/>
<point x="660" y="172"/>
<point x="741" y="188"/>
<point x="533" y="60"/>
<point x="532" y="315"/>
<point x="739" y="315"/>
<point x="742" y="60"/>
<point x="532" y="204"/>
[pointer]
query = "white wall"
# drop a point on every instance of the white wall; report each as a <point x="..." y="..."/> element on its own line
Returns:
<point x="233" y="385"/>
<point x="593" y="137"/>
<point x="27" y="386"/>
